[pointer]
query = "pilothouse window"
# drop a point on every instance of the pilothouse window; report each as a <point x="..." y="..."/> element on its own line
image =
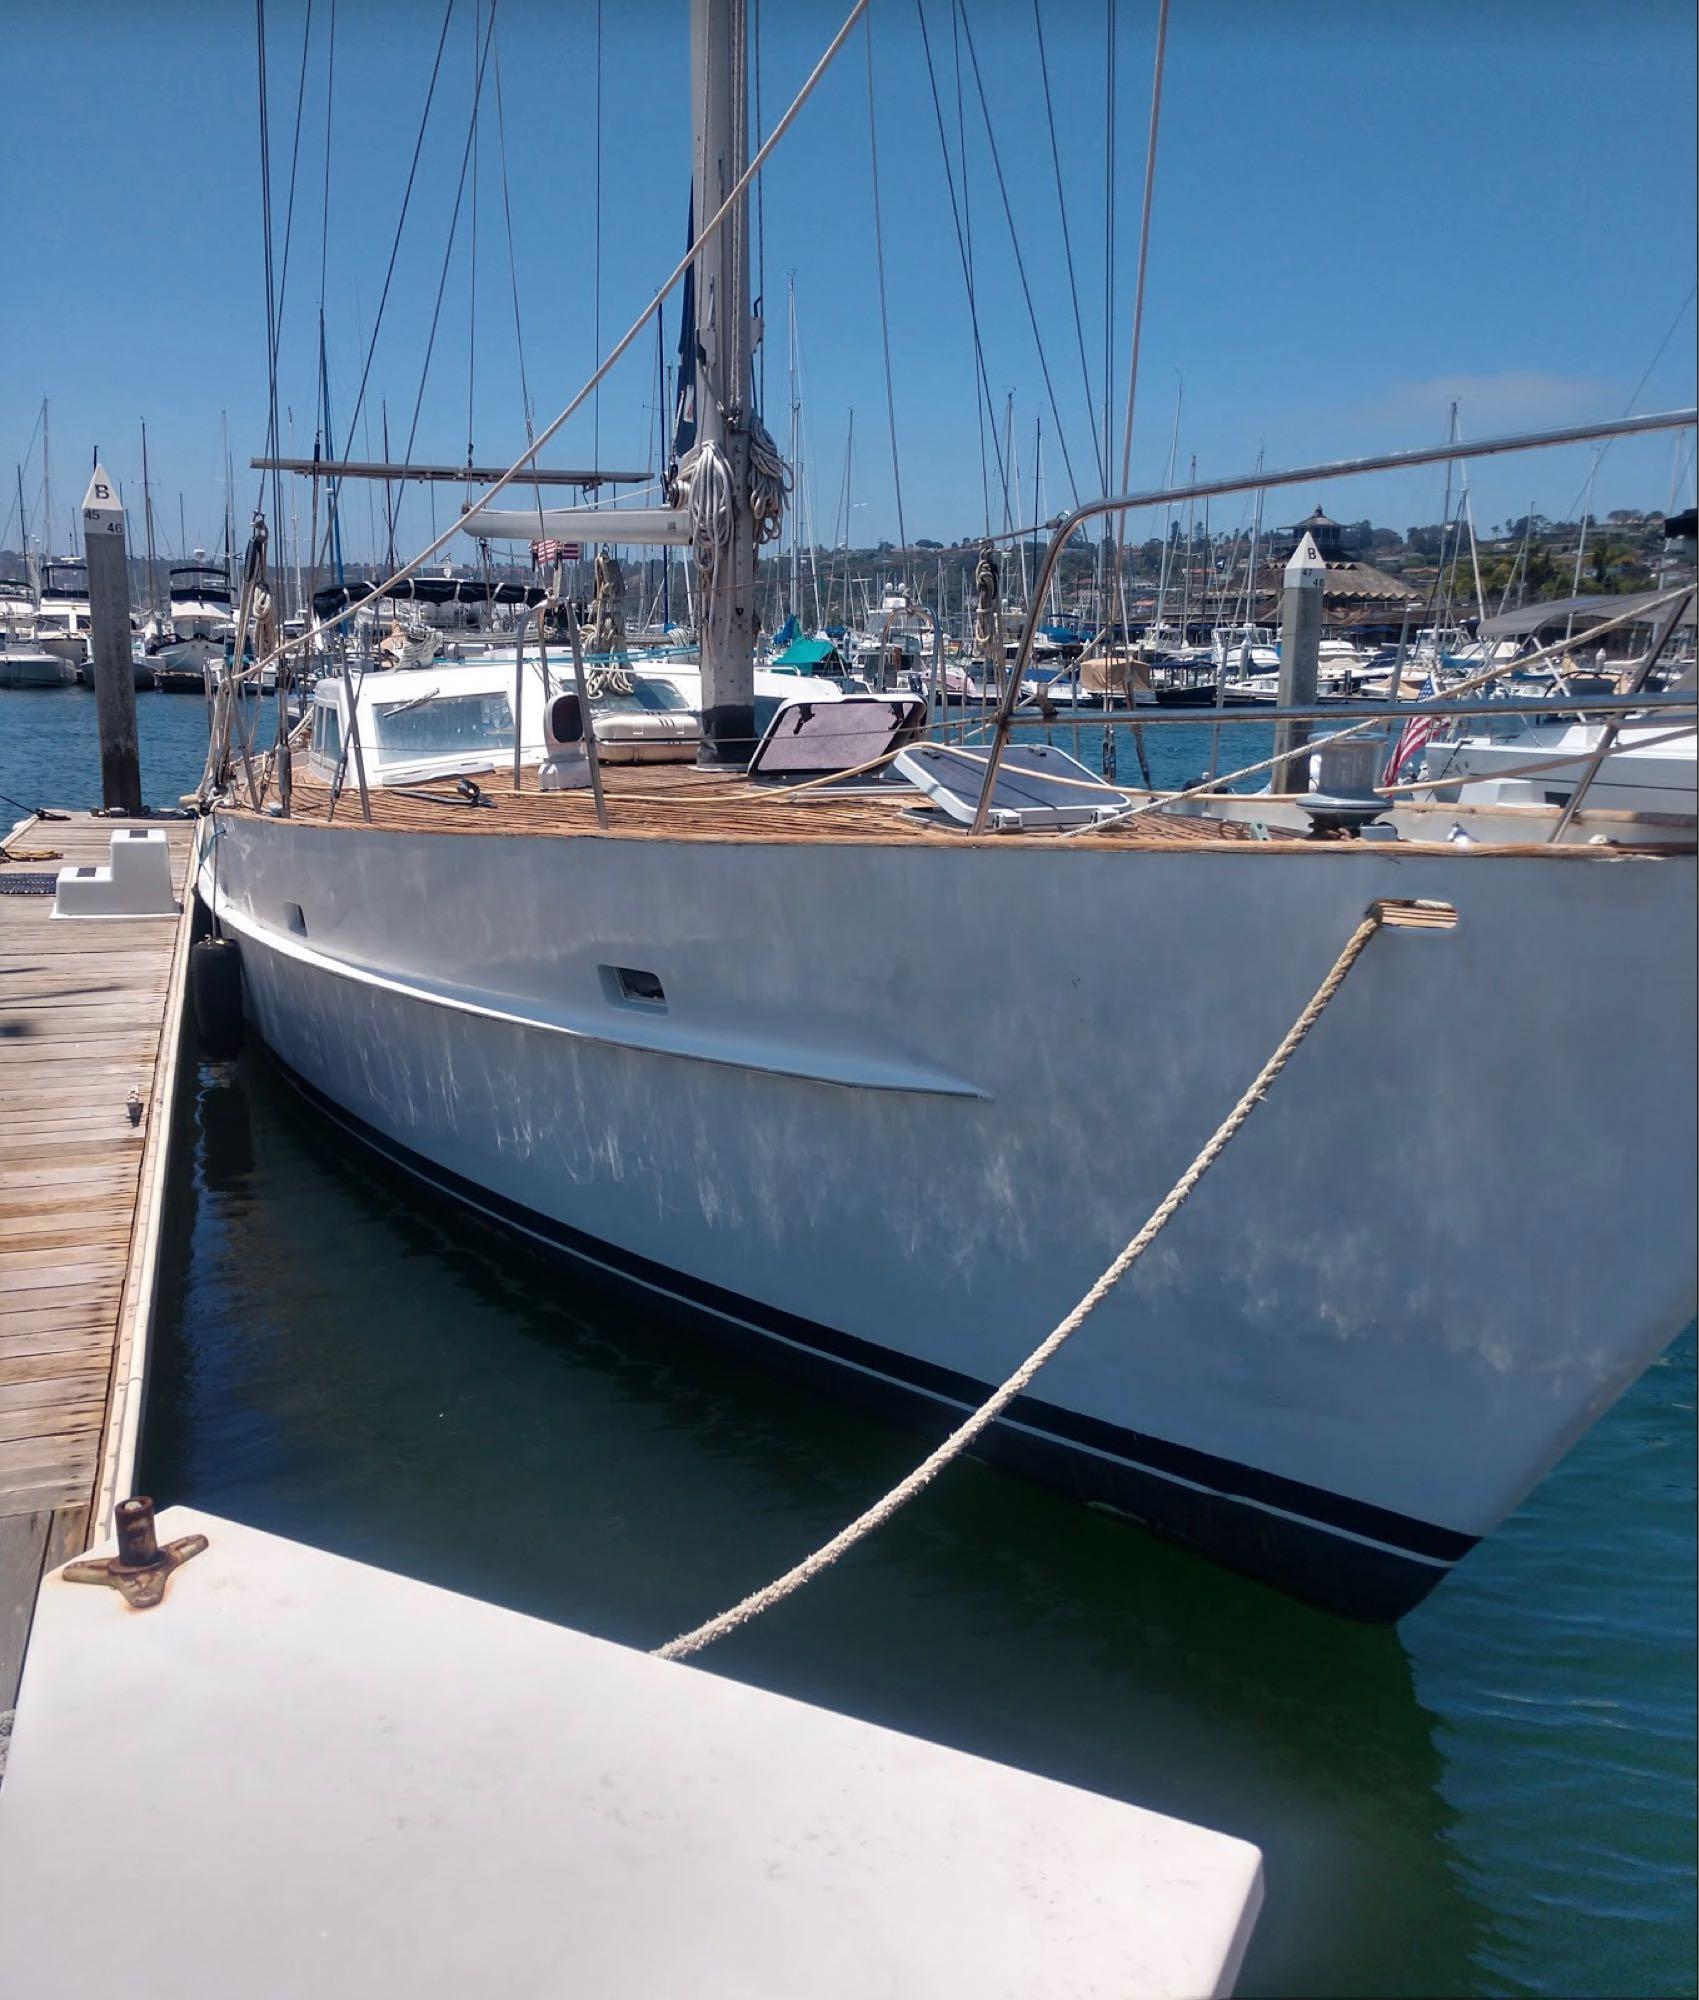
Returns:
<point x="442" y="725"/>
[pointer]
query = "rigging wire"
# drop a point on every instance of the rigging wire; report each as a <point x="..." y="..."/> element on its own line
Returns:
<point x="734" y="196"/>
<point x="329" y="111"/>
<point x="982" y="384"/>
<point x="266" y="238"/>
<point x="35" y="431"/>
<point x="596" y="283"/>
<point x="1068" y="245"/>
<point x="884" y="316"/>
<point x="1144" y="244"/>
<point x="1634" y="393"/>
<point x="275" y="317"/>
<point x="400" y="225"/>
<point x="1133" y="359"/>
<point x="442" y="279"/>
<point x="1110" y="64"/>
<point x="513" y="274"/>
<point x="320" y="394"/>
<point x="988" y="415"/>
<point x="472" y="262"/>
<point x="760" y="234"/>
<point x="1020" y="262"/>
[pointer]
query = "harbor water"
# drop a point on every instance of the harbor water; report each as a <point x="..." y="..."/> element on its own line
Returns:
<point x="1495" y="1797"/>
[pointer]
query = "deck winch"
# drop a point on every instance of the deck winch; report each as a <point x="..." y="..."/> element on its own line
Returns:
<point x="1342" y="799"/>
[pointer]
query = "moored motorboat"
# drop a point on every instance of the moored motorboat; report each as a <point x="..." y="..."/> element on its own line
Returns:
<point x="26" y="664"/>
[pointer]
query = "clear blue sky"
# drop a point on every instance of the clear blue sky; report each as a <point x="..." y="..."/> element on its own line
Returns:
<point x="1359" y="215"/>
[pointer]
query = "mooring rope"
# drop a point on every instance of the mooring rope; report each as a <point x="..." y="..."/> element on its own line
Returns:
<point x="999" y="1400"/>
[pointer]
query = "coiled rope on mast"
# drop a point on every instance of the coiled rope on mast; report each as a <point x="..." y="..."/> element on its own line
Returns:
<point x="769" y="483"/>
<point x="998" y="1401"/>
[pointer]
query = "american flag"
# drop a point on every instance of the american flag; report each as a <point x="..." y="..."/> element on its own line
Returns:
<point x="544" y="553"/>
<point x="1416" y="734"/>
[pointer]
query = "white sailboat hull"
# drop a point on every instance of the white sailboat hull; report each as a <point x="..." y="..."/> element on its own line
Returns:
<point x="1462" y="1223"/>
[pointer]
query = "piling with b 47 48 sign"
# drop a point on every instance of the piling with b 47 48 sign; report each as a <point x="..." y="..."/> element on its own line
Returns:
<point x="1300" y="657"/>
<point x="104" y="546"/>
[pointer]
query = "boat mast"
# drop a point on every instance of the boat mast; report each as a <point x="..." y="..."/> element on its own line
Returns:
<point x="1251" y="570"/>
<point x="849" y="467"/>
<point x="48" y="487"/>
<point x="794" y="607"/>
<point x="229" y="480"/>
<point x="1186" y="574"/>
<point x="1167" y="524"/>
<point x="32" y="571"/>
<point x="719" y="92"/>
<point x="152" y="557"/>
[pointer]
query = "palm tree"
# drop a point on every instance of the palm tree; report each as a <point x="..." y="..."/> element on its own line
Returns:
<point x="1607" y="556"/>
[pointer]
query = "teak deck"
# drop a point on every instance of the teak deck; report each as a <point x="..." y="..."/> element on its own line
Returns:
<point x="680" y="802"/>
<point x="90" y="1010"/>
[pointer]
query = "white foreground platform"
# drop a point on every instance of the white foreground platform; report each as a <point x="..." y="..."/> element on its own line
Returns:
<point x="301" y="1776"/>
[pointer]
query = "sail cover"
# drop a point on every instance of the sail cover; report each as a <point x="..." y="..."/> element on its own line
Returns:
<point x="684" y="409"/>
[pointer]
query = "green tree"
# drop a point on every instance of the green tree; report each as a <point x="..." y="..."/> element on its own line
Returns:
<point x="1609" y="559"/>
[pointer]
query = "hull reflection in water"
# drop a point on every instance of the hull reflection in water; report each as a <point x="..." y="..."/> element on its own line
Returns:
<point x="351" y="1363"/>
<point x="348" y="1361"/>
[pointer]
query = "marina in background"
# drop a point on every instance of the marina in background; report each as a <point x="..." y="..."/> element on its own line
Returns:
<point x="551" y="1108"/>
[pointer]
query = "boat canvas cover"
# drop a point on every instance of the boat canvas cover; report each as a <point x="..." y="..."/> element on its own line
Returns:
<point x="335" y="597"/>
<point x="806" y="653"/>
<point x="1584" y="611"/>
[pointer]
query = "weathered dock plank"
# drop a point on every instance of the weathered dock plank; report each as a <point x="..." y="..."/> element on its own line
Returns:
<point x="90" y="1014"/>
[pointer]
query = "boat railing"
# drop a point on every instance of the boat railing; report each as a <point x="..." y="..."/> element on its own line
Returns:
<point x="1261" y="481"/>
<point x="1575" y="705"/>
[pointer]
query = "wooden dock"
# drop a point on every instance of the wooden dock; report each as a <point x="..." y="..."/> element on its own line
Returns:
<point x="90" y="1012"/>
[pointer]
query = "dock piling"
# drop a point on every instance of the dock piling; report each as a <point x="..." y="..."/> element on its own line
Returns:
<point x="1300" y="653"/>
<point x="109" y="645"/>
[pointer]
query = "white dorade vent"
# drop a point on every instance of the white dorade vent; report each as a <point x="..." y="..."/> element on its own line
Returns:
<point x="812" y="738"/>
<point x="1037" y="786"/>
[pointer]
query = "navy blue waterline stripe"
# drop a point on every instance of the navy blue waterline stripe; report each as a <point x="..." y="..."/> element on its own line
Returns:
<point x="1226" y="1476"/>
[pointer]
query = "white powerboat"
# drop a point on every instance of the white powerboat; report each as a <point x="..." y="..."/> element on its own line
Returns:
<point x="24" y="661"/>
<point x="1646" y="766"/>
<point x="62" y="619"/>
<point x="25" y="664"/>
<point x="188" y="647"/>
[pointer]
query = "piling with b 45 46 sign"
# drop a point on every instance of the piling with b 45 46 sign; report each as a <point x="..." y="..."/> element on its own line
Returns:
<point x="104" y="546"/>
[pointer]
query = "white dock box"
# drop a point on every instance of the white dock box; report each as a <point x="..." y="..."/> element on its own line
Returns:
<point x="136" y="881"/>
